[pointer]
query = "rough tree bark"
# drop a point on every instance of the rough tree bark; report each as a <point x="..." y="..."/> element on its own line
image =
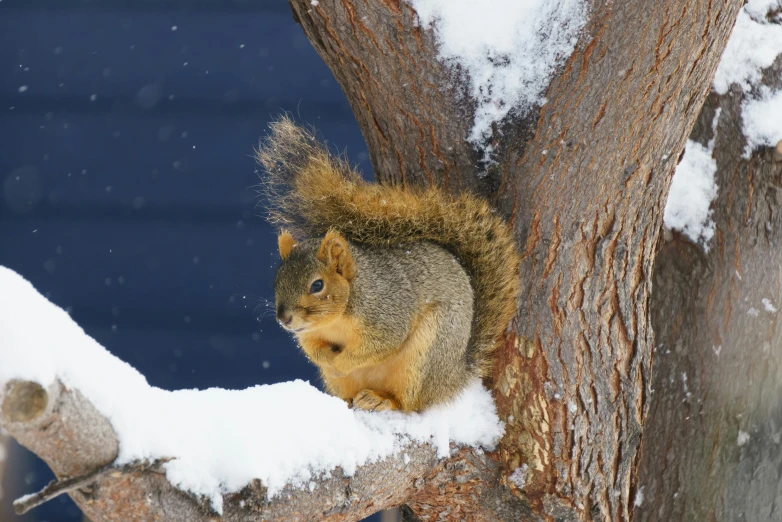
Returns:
<point x="586" y="194"/>
<point x="711" y="447"/>
<point x="583" y="181"/>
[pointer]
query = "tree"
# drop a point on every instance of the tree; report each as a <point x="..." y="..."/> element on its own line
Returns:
<point x="711" y="440"/>
<point x="583" y="180"/>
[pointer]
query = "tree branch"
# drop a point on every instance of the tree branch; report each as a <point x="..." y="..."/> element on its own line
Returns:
<point x="56" y="488"/>
<point x="411" y="107"/>
<point x="78" y="443"/>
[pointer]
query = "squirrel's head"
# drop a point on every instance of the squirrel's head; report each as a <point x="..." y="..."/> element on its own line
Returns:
<point x="312" y="286"/>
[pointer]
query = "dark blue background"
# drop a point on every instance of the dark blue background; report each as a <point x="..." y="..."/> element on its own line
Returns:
<point x="127" y="182"/>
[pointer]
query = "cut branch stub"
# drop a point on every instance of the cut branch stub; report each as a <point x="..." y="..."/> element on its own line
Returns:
<point x="24" y="401"/>
<point x="58" y="425"/>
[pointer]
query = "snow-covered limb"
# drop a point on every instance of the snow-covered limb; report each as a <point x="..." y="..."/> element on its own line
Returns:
<point x="80" y="409"/>
<point x="68" y="433"/>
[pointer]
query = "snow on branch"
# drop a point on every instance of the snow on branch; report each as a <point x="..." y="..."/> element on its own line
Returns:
<point x="282" y="449"/>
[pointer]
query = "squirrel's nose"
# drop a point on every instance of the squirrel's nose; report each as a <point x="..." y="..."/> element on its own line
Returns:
<point x="283" y="317"/>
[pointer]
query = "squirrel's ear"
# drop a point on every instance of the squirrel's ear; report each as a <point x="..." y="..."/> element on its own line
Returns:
<point x="334" y="252"/>
<point x="285" y="243"/>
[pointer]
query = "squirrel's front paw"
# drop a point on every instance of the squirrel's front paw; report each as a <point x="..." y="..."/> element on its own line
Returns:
<point x="372" y="401"/>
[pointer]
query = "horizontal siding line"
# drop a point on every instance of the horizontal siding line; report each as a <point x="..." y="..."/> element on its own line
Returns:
<point x="211" y="321"/>
<point x="150" y="213"/>
<point x="227" y="6"/>
<point x="338" y="112"/>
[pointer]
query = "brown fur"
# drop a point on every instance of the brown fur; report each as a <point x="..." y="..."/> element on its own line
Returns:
<point x="285" y="244"/>
<point x="314" y="194"/>
<point x="394" y="377"/>
<point x="333" y="251"/>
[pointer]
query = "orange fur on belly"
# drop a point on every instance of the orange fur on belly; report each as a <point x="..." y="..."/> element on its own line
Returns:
<point x="348" y="370"/>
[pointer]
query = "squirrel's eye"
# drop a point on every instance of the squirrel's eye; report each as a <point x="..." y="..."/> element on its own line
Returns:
<point x="316" y="286"/>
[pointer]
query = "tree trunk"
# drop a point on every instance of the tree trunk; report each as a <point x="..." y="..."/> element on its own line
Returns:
<point x="711" y="446"/>
<point x="3" y="458"/>
<point x="583" y="181"/>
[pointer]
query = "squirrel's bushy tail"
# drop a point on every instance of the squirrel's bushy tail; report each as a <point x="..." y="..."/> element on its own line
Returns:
<point x="310" y="192"/>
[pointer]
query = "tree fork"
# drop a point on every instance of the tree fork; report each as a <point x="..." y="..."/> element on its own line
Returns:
<point x="584" y="182"/>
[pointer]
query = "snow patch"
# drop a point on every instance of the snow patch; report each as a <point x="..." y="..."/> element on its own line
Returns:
<point x="743" y="438"/>
<point x="762" y="119"/>
<point x="287" y="433"/>
<point x="519" y="476"/>
<point x="509" y="48"/>
<point x="768" y="306"/>
<point x="759" y="9"/>
<point x="692" y="191"/>
<point x="639" y="497"/>
<point x="754" y="44"/>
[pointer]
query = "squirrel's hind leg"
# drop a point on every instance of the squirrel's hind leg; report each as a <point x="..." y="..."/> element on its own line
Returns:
<point x="373" y="401"/>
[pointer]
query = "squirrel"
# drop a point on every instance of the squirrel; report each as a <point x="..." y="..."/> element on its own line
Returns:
<point x="397" y="294"/>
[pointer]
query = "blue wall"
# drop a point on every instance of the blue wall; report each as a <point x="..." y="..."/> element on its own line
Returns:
<point x="126" y="135"/>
